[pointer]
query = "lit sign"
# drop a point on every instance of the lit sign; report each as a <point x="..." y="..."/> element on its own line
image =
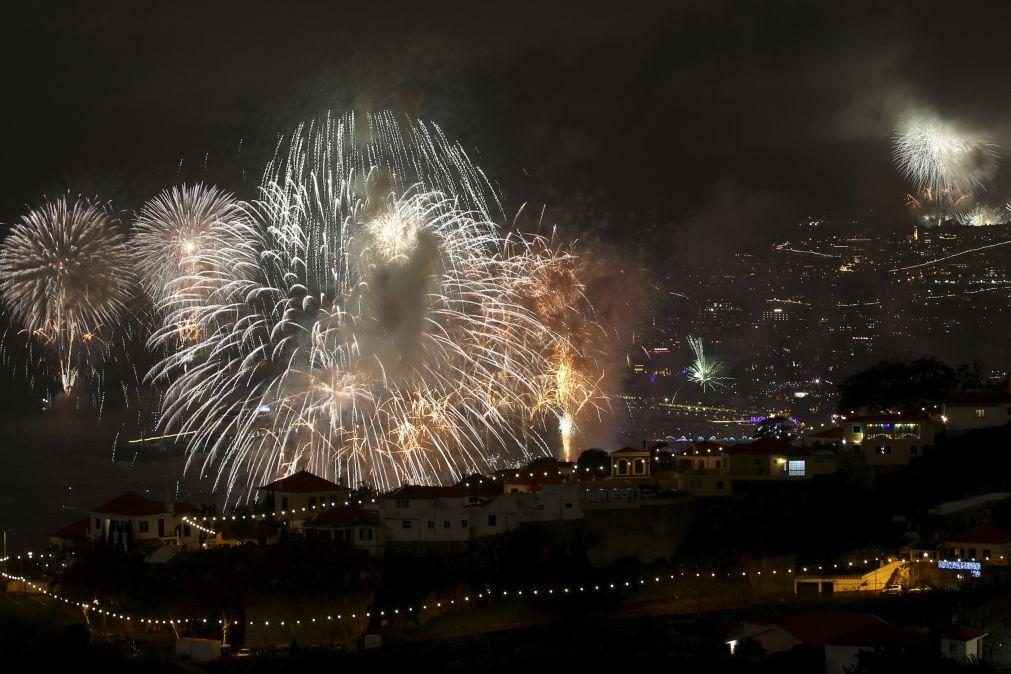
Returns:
<point x="975" y="568"/>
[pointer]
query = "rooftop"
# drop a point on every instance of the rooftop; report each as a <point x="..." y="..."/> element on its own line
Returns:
<point x="131" y="504"/>
<point x="984" y="533"/>
<point x="301" y="482"/>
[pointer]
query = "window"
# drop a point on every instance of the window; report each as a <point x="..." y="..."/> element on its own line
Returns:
<point x="284" y="503"/>
<point x="463" y="523"/>
<point x="568" y="505"/>
<point x="796" y="468"/>
<point x="980" y="413"/>
<point x="365" y="534"/>
<point x="622" y="467"/>
<point x="312" y="502"/>
<point x="186" y="530"/>
<point x="972" y="553"/>
<point x="856" y="429"/>
<point x="639" y="467"/>
<point x="405" y="524"/>
<point x="161" y="528"/>
<point x="145" y="526"/>
<point x="445" y="525"/>
<point x="431" y="524"/>
<point x="403" y="503"/>
<point x="986" y="553"/>
<point x="493" y="520"/>
<point x="98" y="524"/>
<point x="913" y="450"/>
<point x="719" y="484"/>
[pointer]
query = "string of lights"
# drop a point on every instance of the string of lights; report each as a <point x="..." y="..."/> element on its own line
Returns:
<point x="532" y="593"/>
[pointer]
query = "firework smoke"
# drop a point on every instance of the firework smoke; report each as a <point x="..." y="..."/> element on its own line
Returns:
<point x="360" y="322"/>
<point x="64" y="281"/>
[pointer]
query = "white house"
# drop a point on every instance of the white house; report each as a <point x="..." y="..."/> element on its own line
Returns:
<point x="968" y="410"/>
<point x="301" y="495"/>
<point x="962" y="643"/>
<point x="132" y="521"/>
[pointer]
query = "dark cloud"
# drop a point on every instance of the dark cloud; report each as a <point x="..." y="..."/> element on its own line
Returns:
<point x="643" y="108"/>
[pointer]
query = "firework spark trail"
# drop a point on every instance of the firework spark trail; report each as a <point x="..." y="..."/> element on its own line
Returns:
<point x="983" y="216"/>
<point x="64" y="280"/>
<point x="705" y="371"/>
<point x="548" y="282"/>
<point x="951" y="257"/>
<point x="355" y="324"/>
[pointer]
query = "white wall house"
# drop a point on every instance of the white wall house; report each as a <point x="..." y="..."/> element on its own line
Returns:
<point x="132" y="521"/>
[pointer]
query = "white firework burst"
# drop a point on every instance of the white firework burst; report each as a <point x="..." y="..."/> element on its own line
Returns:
<point x="65" y="280"/>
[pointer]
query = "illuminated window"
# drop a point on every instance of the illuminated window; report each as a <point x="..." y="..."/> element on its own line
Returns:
<point x="796" y="468"/>
<point x="980" y="413"/>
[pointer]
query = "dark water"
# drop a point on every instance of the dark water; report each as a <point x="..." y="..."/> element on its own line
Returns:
<point x="56" y="465"/>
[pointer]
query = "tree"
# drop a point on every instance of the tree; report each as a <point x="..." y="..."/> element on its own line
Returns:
<point x="898" y="385"/>
<point x="593" y="462"/>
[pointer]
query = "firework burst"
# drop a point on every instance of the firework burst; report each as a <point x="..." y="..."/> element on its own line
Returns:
<point x="178" y="249"/>
<point x="548" y="282"/>
<point x="64" y="281"/>
<point x="705" y="371"/>
<point x="937" y="158"/>
<point x="358" y="327"/>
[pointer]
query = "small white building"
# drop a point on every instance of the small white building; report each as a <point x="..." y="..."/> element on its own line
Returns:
<point x="968" y="410"/>
<point x="962" y="643"/>
<point x="300" y="495"/>
<point x="133" y="521"/>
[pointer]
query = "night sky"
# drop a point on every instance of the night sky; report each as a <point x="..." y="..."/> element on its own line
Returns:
<point x="666" y="131"/>
<point x="644" y="119"/>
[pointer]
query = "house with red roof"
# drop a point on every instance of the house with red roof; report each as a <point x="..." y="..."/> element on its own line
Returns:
<point x="771" y="458"/>
<point x="630" y="463"/>
<point x="963" y="644"/>
<point x="298" y="496"/>
<point x="841" y="635"/>
<point x="132" y="521"/>
<point x="969" y="410"/>
<point x="357" y="528"/>
<point x="888" y="439"/>
<point x="983" y="543"/>
<point x="72" y="536"/>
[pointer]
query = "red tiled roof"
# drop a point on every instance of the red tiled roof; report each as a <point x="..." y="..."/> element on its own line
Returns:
<point x="75" y="531"/>
<point x="186" y="508"/>
<point x="300" y="483"/>
<point x="629" y="450"/>
<point x="131" y="504"/>
<point x="963" y="634"/>
<point x="978" y="398"/>
<point x="345" y="517"/>
<point x="819" y="628"/>
<point x="880" y="634"/>
<point x="766" y="446"/>
<point x="984" y="533"/>
<point x="828" y="434"/>
<point x="422" y="491"/>
<point x="885" y="418"/>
